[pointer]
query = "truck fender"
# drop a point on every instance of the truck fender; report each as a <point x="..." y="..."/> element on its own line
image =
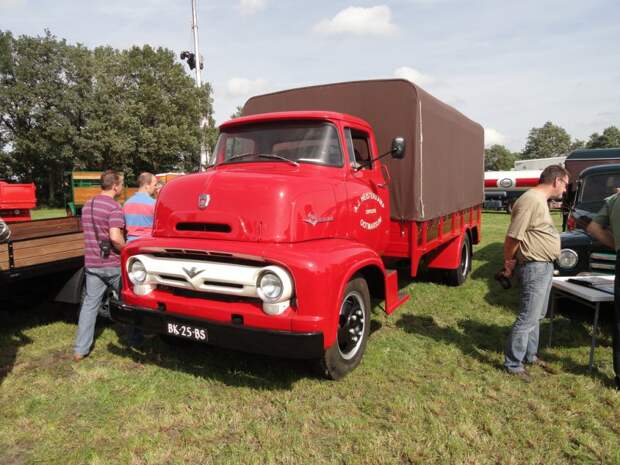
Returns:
<point x="352" y="267"/>
<point x="448" y="255"/>
<point x="71" y="292"/>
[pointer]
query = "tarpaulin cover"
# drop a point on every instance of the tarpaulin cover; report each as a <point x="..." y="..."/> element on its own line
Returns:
<point x="443" y="168"/>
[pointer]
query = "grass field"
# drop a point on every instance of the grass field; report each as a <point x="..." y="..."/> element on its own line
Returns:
<point x="430" y="390"/>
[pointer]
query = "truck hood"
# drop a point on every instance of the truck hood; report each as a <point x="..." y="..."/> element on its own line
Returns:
<point x="248" y="204"/>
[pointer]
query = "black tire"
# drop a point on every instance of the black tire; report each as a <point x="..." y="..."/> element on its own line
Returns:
<point x="459" y="275"/>
<point x="353" y="330"/>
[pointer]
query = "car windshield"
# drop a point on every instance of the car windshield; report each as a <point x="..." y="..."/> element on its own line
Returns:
<point x="295" y="141"/>
<point x="594" y="189"/>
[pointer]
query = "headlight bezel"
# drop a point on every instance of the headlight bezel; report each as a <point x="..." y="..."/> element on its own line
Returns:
<point x="131" y="272"/>
<point x="571" y="255"/>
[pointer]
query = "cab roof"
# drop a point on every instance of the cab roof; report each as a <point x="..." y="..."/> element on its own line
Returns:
<point x="295" y="115"/>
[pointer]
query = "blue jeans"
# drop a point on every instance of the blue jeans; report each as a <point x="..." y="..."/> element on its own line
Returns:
<point x="98" y="281"/>
<point x="522" y="345"/>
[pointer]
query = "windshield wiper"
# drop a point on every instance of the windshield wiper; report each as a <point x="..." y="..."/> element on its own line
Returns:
<point x="270" y="156"/>
<point x="273" y="156"/>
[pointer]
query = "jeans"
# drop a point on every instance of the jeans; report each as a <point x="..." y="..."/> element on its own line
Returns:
<point x="98" y="281"/>
<point x="522" y="345"/>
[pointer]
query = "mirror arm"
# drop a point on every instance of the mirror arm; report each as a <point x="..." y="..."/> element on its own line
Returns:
<point x="369" y="162"/>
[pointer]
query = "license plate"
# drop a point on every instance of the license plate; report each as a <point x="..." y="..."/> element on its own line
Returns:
<point x="187" y="331"/>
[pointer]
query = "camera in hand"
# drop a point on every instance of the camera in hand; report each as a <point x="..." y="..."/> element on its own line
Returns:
<point x="503" y="280"/>
<point x="105" y="248"/>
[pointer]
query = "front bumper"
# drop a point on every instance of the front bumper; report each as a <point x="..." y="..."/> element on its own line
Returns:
<point x="230" y="336"/>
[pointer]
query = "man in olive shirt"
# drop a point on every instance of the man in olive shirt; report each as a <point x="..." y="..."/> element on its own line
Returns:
<point x="533" y="242"/>
<point x="609" y="217"/>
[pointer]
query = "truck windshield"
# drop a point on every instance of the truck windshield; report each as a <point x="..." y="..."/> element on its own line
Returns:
<point x="594" y="189"/>
<point x="297" y="141"/>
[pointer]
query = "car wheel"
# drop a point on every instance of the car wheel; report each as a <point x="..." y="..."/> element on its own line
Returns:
<point x="459" y="275"/>
<point x="353" y="330"/>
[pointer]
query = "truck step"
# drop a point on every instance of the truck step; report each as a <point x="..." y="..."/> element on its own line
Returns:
<point x="393" y="297"/>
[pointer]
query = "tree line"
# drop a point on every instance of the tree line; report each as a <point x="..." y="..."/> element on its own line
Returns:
<point x="66" y="107"/>
<point x="547" y="141"/>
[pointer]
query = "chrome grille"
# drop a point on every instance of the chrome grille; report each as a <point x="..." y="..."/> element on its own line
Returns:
<point x="603" y="262"/>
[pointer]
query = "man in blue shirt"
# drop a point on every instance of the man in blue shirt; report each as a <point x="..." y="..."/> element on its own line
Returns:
<point x="139" y="209"/>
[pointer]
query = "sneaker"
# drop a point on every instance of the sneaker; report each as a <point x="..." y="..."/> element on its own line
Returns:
<point x="78" y="357"/>
<point x="544" y="365"/>
<point x="523" y="375"/>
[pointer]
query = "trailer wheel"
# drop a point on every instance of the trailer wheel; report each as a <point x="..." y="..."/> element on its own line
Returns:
<point x="458" y="276"/>
<point x="353" y="330"/>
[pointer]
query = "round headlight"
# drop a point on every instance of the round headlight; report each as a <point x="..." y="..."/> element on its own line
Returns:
<point x="568" y="259"/>
<point x="269" y="287"/>
<point x="136" y="272"/>
<point x="5" y="232"/>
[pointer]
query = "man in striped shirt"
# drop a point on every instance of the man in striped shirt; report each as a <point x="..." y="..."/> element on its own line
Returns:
<point x="102" y="223"/>
<point x="140" y="208"/>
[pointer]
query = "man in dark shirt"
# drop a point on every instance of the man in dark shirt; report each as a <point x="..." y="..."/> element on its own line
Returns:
<point x="102" y="220"/>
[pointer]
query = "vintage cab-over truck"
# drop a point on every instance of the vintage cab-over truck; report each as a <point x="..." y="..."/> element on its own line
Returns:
<point x="281" y="245"/>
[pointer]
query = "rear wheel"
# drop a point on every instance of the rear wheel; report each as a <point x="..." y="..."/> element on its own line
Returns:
<point x="459" y="275"/>
<point x="353" y="330"/>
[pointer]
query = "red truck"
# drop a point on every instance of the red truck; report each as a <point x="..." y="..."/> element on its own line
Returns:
<point x="16" y="201"/>
<point x="282" y="245"/>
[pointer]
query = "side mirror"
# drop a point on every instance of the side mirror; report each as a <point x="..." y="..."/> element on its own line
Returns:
<point x="398" y="148"/>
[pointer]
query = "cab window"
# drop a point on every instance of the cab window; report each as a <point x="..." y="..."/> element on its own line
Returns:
<point x="358" y="147"/>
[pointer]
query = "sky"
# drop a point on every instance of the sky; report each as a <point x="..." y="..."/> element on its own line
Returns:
<point x="509" y="65"/>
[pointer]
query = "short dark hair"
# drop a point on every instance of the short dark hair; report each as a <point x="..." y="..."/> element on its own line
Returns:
<point x="109" y="179"/>
<point x="145" y="179"/>
<point x="551" y="173"/>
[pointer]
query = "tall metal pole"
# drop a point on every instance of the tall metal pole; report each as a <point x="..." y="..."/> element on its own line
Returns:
<point x="196" y="50"/>
<point x="203" y="122"/>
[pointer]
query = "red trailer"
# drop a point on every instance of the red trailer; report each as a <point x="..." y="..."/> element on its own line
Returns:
<point x="16" y="201"/>
<point x="280" y="247"/>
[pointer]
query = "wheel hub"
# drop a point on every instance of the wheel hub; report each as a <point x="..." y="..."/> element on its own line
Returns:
<point x="351" y="325"/>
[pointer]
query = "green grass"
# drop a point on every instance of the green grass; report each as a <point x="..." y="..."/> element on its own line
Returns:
<point x="43" y="213"/>
<point x="430" y="390"/>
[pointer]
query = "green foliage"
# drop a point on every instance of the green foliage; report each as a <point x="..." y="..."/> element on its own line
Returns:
<point x="609" y="139"/>
<point x="238" y="112"/>
<point x="548" y="141"/>
<point x="498" y="158"/>
<point x="65" y="107"/>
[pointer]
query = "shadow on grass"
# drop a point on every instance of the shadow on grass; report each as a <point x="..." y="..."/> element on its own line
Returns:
<point x="25" y="305"/>
<point x="476" y="339"/>
<point x="230" y="367"/>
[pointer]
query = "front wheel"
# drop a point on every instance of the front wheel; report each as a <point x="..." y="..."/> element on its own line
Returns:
<point x="459" y="275"/>
<point x="353" y="330"/>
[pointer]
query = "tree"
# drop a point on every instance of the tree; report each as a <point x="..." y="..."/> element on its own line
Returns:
<point x="238" y="112"/>
<point x="65" y="107"/>
<point x="497" y="158"/>
<point x="547" y="141"/>
<point x="609" y="139"/>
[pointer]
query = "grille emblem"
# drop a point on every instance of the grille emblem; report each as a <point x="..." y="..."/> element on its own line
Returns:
<point x="192" y="272"/>
<point x="203" y="201"/>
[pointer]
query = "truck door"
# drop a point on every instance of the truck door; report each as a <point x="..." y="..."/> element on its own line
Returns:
<point x="367" y="192"/>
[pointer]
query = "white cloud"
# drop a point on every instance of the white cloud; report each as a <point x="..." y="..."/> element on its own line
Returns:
<point x="413" y="75"/>
<point x="376" y="20"/>
<point x="492" y="136"/>
<point x="242" y="87"/>
<point x="249" y="7"/>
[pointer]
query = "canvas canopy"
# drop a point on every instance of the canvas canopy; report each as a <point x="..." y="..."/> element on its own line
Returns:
<point x="443" y="168"/>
